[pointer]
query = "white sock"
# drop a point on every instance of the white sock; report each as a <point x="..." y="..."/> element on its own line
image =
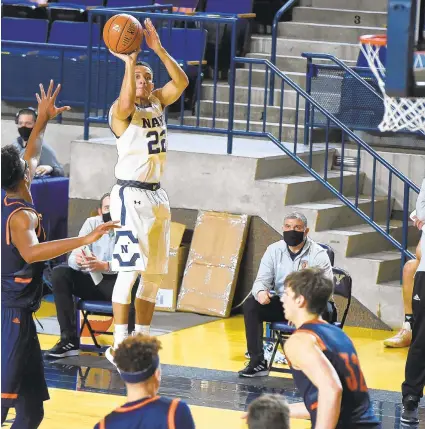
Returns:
<point x="120" y="334"/>
<point x="142" y="329"/>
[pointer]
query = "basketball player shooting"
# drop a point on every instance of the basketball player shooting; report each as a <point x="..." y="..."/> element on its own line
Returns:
<point x="137" y="200"/>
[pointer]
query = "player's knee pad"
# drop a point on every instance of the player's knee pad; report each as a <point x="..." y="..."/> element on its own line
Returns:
<point x="123" y="286"/>
<point x="149" y="286"/>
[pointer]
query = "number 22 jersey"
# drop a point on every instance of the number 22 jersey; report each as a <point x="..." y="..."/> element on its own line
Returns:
<point x="142" y="147"/>
<point x="356" y="407"/>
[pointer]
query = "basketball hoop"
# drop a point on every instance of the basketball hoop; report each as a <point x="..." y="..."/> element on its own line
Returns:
<point x="400" y="113"/>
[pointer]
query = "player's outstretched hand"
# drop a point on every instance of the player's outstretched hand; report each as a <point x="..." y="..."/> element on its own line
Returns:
<point x="127" y="58"/>
<point x="151" y="36"/>
<point x="46" y="102"/>
<point x="102" y="229"/>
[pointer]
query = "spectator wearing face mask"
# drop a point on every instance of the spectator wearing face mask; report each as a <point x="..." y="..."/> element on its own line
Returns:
<point x="295" y="252"/>
<point x="48" y="164"/>
<point x="87" y="276"/>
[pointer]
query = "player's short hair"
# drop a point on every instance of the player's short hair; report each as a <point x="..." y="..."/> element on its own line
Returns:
<point x="12" y="170"/>
<point x="145" y="64"/>
<point x="296" y="215"/>
<point x="313" y="285"/>
<point x="136" y="353"/>
<point x="268" y="412"/>
<point x="102" y="198"/>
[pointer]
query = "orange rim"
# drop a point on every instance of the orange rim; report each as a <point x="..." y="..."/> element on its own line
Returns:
<point x="376" y="40"/>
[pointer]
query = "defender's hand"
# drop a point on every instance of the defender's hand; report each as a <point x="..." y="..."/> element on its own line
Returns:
<point x="102" y="229"/>
<point x="151" y="36"/>
<point x="46" y="103"/>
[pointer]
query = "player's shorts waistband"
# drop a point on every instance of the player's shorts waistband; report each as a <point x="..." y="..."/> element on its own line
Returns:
<point x="139" y="185"/>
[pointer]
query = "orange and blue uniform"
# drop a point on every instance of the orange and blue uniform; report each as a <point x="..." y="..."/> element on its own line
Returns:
<point x="356" y="407"/>
<point x="22" y="372"/>
<point x="158" y="411"/>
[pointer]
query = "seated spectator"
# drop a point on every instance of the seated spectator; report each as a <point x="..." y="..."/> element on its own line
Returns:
<point x="268" y="412"/>
<point x="295" y="252"/>
<point x="48" y="164"/>
<point x="137" y="361"/>
<point x="76" y="279"/>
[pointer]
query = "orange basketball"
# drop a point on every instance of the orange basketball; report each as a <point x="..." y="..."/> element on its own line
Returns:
<point x="123" y="34"/>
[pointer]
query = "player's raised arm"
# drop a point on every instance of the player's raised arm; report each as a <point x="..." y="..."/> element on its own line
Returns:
<point x="179" y="80"/>
<point x="304" y="354"/>
<point x="124" y="107"/>
<point x="46" y="111"/>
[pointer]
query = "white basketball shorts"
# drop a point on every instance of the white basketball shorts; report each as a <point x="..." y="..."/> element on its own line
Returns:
<point x="143" y="241"/>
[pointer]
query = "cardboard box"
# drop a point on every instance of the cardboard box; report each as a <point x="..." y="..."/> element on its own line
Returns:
<point x="166" y="299"/>
<point x="212" y="268"/>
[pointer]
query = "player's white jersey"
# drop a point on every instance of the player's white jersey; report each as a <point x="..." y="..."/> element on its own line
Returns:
<point x="142" y="148"/>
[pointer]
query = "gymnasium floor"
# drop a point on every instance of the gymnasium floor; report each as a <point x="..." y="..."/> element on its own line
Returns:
<point x="199" y="365"/>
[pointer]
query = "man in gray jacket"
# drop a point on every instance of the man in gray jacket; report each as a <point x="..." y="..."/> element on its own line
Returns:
<point x="48" y="165"/>
<point x="413" y="386"/>
<point x="295" y="252"/>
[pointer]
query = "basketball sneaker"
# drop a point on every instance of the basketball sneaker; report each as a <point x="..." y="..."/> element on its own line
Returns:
<point x="64" y="348"/>
<point x="409" y="413"/>
<point x="402" y="339"/>
<point x="109" y="354"/>
<point x="255" y="369"/>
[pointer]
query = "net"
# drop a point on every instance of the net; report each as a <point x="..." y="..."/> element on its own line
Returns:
<point x="401" y="114"/>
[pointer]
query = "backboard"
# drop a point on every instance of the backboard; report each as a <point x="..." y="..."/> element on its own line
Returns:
<point x="405" y="58"/>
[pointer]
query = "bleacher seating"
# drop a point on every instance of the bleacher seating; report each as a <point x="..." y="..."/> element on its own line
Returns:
<point x="122" y="3"/>
<point x="24" y="29"/>
<point x="73" y="33"/>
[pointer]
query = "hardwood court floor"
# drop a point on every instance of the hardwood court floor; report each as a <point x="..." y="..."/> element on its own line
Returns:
<point x="199" y="365"/>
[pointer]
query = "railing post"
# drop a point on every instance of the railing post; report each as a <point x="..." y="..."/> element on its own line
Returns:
<point x="231" y="90"/>
<point x="88" y="78"/>
<point x="275" y="27"/>
<point x="405" y="227"/>
<point x="307" y="104"/>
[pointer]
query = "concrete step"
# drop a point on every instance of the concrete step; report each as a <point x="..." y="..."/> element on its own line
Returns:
<point x="295" y="47"/>
<point x="257" y="94"/>
<point x="361" y="239"/>
<point x="386" y="264"/>
<point x="256" y="112"/>
<point x="333" y="213"/>
<point x="325" y="32"/>
<point x="276" y="166"/>
<point x="348" y="17"/>
<point x="365" y="5"/>
<point x="258" y="77"/>
<point x="288" y="63"/>
<point x="288" y="130"/>
<point x="304" y="187"/>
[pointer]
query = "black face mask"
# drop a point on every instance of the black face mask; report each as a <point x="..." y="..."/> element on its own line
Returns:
<point x="25" y="133"/>
<point x="293" y="238"/>
<point x="106" y="217"/>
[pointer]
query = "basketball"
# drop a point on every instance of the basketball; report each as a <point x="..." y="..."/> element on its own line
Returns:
<point x="123" y="34"/>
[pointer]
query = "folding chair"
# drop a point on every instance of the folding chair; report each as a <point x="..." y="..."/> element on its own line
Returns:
<point x="281" y="331"/>
<point x="93" y="308"/>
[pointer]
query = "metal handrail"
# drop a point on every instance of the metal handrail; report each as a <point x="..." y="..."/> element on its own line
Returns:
<point x="407" y="182"/>
<point x="344" y="66"/>
<point x="287" y="6"/>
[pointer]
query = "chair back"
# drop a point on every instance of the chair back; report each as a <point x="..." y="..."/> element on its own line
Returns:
<point x="329" y="251"/>
<point x="343" y="288"/>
